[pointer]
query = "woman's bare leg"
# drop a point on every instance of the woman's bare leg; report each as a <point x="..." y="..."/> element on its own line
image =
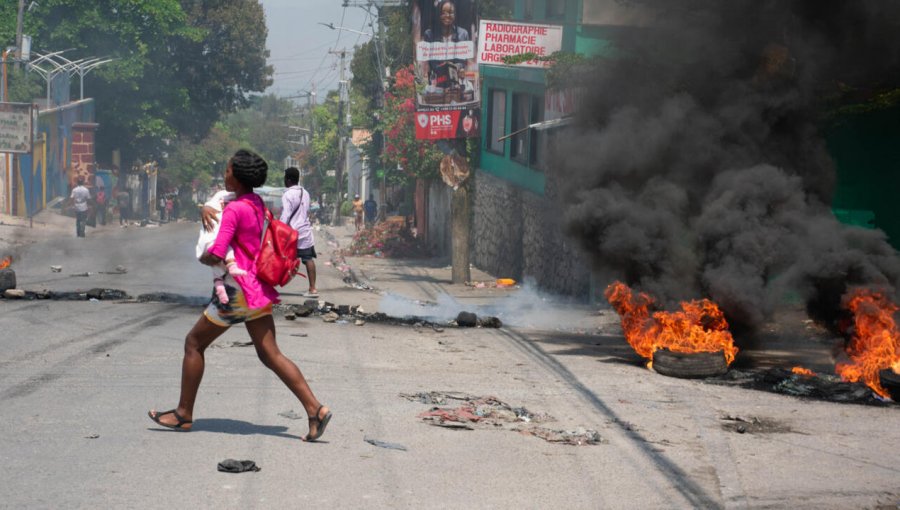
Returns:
<point x="197" y="340"/>
<point x="262" y="332"/>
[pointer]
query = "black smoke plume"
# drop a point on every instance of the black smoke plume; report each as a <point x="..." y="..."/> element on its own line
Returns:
<point x="697" y="167"/>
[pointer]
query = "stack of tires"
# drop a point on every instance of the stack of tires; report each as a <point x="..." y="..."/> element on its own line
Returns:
<point x="689" y="365"/>
<point x="7" y="279"/>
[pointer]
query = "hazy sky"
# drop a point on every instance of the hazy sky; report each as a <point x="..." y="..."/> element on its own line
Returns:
<point x="299" y="45"/>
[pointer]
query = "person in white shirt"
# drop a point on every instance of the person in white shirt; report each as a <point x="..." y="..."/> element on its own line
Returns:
<point x="79" y="199"/>
<point x="295" y="212"/>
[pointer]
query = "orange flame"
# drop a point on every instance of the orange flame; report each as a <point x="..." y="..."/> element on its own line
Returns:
<point x="875" y="345"/>
<point x="802" y="371"/>
<point x="699" y="327"/>
<point x="5" y="262"/>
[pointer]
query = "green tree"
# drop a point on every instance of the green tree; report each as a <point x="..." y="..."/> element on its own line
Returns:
<point x="262" y="128"/>
<point x="197" y="163"/>
<point x="180" y="65"/>
<point x="323" y="153"/>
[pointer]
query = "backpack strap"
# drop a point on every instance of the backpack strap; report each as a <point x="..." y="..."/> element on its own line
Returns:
<point x="262" y="234"/>
<point x="297" y="209"/>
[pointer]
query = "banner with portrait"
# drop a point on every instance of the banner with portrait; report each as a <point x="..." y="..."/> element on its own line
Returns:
<point x="448" y="97"/>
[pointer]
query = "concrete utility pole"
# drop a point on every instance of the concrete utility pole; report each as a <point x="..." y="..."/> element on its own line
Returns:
<point x="459" y="230"/>
<point x="19" y="22"/>
<point x="383" y="71"/>
<point x="342" y="142"/>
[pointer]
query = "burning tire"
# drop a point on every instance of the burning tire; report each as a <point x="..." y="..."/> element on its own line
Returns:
<point x="689" y="365"/>
<point x="890" y="381"/>
<point x="7" y="279"/>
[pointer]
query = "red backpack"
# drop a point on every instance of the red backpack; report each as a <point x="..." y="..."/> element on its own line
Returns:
<point x="277" y="262"/>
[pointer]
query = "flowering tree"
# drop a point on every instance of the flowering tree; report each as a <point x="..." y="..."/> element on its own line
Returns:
<point x="416" y="158"/>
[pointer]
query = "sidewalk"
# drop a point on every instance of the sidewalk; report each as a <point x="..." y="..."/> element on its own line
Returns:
<point x="424" y="287"/>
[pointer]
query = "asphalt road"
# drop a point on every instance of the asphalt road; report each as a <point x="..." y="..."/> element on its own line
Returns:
<point x="76" y="380"/>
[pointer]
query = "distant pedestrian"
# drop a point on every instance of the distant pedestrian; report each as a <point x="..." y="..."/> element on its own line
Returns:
<point x="295" y="212"/>
<point x="79" y="200"/>
<point x="170" y="208"/>
<point x="161" y="208"/>
<point x="357" y="212"/>
<point x="250" y="302"/>
<point x="123" y="202"/>
<point x="176" y="208"/>
<point x="101" y="205"/>
<point x="371" y="208"/>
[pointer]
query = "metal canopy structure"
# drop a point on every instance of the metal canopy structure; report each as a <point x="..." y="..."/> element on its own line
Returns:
<point x="51" y="65"/>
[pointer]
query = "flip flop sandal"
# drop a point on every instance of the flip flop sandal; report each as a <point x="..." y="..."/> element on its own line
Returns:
<point x="178" y="426"/>
<point x="323" y="422"/>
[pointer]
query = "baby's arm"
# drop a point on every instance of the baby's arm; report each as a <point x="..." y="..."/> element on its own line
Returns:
<point x="231" y="265"/>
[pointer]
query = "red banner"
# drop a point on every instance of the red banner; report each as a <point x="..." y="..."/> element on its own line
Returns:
<point x="436" y="125"/>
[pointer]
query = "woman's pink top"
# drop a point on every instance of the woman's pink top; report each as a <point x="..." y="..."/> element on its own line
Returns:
<point x="241" y="228"/>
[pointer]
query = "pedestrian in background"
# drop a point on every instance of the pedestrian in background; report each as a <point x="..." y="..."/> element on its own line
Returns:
<point x="295" y="212"/>
<point x="170" y="208"/>
<point x="123" y="202"/>
<point x="79" y="200"/>
<point x="250" y="301"/>
<point x="101" y="205"/>
<point x="371" y="208"/>
<point x="161" y="208"/>
<point x="357" y="212"/>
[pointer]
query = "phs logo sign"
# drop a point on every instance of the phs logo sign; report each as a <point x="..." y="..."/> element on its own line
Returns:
<point x="437" y="125"/>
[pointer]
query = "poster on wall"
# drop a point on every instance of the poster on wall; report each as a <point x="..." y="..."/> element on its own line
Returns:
<point x="15" y="127"/>
<point x="448" y="98"/>
<point x="503" y="39"/>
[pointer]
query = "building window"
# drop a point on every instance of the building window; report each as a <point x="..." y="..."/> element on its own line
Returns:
<point x="528" y="146"/>
<point x="497" y="121"/>
<point x="538" y="154"/>
<point x="556" y="9"/>
<point x="528" y="10"/>
<point x="521" y="105"/>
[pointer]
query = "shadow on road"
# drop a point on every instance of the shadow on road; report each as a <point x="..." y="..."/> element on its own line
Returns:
<point x="238" y="427"/>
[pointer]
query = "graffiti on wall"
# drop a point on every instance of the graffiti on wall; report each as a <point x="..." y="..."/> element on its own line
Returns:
<point x="61" y="153"/>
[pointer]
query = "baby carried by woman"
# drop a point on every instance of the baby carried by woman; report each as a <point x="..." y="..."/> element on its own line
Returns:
<point x="207" y="238"/>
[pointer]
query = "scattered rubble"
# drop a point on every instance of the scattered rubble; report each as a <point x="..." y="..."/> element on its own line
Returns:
<point x="168" y="297"/>
<point x="106" y="294"/>
<point x="753" y="425"/>
<point x="384" y="444"/>
<point x="390" y="239"/>
<point x="491" y="413"/>
<point x="818" y="387"/>
<point x="466" y="320"/>
<point x="292" y="415"/>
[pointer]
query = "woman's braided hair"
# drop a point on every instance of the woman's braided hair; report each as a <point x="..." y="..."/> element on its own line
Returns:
<point x="249" y="168"/>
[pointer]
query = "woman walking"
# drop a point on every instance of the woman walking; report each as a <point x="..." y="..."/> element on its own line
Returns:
<point x="250" y="302"/>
